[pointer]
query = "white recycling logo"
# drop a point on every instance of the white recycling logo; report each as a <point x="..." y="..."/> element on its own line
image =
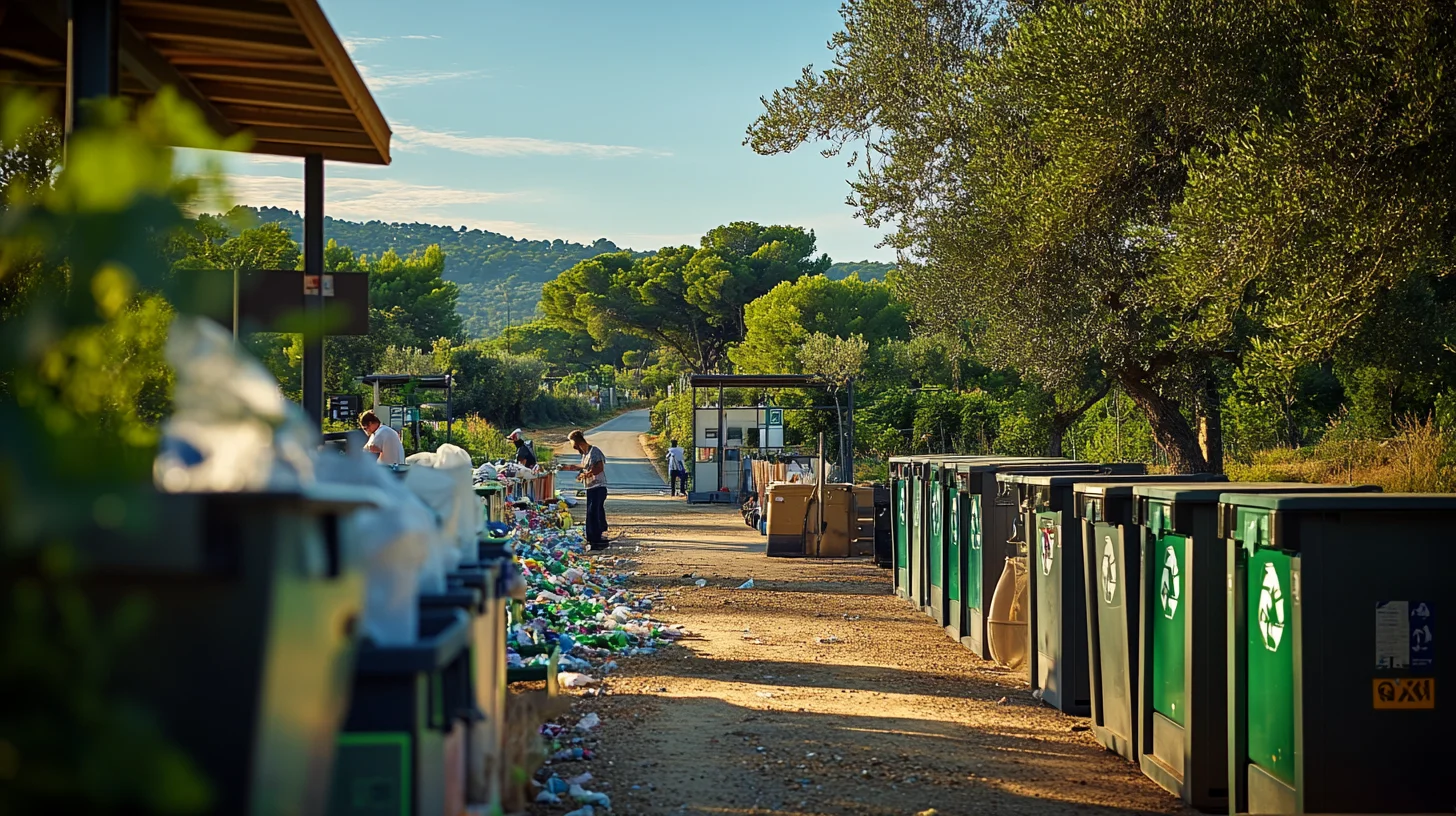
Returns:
<point x="1171" y="587"/>
<point x="1046" y="551"/>
<point x="1109" y="570"/>
<point x="1271" y="609"/>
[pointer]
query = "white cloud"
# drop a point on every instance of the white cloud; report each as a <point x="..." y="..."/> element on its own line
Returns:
<point x="421" y="37"/>
<point x="408" y="79"/>
<point x="367" y="199"/>
<point x="408" y="138"/>
<point x="352" y="44"/>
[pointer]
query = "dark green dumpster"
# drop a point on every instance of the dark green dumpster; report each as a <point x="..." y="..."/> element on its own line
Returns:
<point x="902" y="520"/>
<point x="1112" y="565"/>
<point x="1060" y="666"/>
<point x="402" y="750"/>
<point x="1181" y="715"/>
<point x="942" y="549"/>
<point x="246" y="655"/>
<point x="978" y="529"/>
<point x="1337" y="698"/>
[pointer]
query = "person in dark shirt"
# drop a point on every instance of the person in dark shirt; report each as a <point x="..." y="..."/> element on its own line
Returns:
<point x="525" y="454"/>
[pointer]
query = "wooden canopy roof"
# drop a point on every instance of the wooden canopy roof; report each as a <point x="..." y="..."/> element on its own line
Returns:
<point x="275" y="68"/>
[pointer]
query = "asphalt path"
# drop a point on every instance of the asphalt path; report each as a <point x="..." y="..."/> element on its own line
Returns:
<point x="628" y="468"/>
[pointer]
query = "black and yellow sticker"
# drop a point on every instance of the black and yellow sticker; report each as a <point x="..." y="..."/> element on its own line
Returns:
<point x="1405" y="692"/>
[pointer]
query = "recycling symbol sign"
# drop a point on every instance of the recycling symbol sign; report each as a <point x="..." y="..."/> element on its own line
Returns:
<point x="1046" y="550"/>
<point x="1109" y="570"/>
<point x="1170" y="588"/>
<point x="1271" y="609"/>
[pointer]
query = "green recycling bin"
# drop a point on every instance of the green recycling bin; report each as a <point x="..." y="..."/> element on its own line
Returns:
<point x="1336" y="696"/>
<point x="902" y="522"/>
<point x="942" y="535"/>
<point x="925" y="550"/>
<point x="1181" y="715"/>
<point x="1111" y="562"/>
<point x="1060" y="665"/>
<point x="978" y="529"/>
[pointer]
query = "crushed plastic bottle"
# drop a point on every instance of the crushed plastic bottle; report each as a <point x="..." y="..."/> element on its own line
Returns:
<point x="746" y="584"/>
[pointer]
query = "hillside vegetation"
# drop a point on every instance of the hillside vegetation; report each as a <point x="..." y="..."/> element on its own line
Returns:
<point x="500" y="277"/>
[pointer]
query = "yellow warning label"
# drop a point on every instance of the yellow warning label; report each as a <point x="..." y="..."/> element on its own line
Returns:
<point x="1405" y="692"/>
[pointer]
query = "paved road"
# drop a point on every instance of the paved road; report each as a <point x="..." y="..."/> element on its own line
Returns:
<point x="627" y="465"/>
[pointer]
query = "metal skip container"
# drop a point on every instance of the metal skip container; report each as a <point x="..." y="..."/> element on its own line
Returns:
<point x="1181" y="712"/>
<point x="1336" y="685"/>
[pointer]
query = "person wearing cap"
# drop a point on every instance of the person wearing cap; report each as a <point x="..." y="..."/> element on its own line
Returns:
<point x="524" y="453"/>
<point x="592" y="473"/>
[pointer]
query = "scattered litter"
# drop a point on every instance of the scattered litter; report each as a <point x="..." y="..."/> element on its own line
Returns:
<point x="576" y="680"/>
<point x="768" y="695"/>
<point x="585" y="810"/>
<point x="1077" y="728"/>
<point x="1004" y="701"/>
<point x="829" y="639"/>
<point x="586" y="797"/>
<point x="1036" y="695"/>
<point x="547" y="798"/>
<point x="580" y="780"/>
<point x="588" y="722"/>
<point x="702" y="582"/>
<point x="746" y="584"/>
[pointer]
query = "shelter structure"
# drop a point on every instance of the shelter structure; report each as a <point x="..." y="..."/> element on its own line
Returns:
<point x="720" y="431"/>
<point x="274" y="68"/>
<point x="431" y="381"/>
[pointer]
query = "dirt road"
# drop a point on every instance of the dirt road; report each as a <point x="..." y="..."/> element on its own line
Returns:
<point x="628" y="469"/>
<point x="819" y="692"/>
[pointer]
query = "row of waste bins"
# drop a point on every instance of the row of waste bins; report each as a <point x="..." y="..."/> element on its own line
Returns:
<point x="1252" y="647"/>
<point x="251" y="659"/>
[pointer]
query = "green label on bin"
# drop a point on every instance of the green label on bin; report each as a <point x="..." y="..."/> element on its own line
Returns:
<point x="1170" y="691"/>
<point x="936" y="549"/>
<point x="973" y="557"/>
<point x="1270" y="664"/>
<point x="953" y="539"/>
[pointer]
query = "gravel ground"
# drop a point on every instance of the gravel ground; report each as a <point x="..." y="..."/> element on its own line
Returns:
<point x="819" y="692"/>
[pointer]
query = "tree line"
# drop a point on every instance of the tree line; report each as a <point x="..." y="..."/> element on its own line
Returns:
<point x="1234" y="216"/>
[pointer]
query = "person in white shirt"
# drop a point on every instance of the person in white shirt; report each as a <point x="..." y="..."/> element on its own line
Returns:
<point x="383" y="440"/>
<point x="677" y="468"/>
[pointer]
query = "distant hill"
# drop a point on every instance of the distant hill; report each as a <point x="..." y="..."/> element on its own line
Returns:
<point x="481" y="262"/>
<point x="868" y="270"/>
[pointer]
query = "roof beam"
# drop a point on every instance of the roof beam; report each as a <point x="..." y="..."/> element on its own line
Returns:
<point x="230" y="41"/>
<point x="143" y="62"/>
<point x="247" y="116"/>
<point x="348" y="154"/>
<point x="265" y="78"/>
<point x="228" y="93"/>
<point x="235" y="13"/>
<point x="307" y="136"/>
<point x="331" y="51"/>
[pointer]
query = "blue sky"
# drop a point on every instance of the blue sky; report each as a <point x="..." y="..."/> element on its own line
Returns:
<point x="581" y="120"/>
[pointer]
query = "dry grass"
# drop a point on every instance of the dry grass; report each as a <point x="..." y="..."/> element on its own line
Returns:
<point x="1415" y="460"/>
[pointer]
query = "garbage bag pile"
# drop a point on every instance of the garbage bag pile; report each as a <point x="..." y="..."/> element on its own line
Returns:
<point x="573" y="603"/>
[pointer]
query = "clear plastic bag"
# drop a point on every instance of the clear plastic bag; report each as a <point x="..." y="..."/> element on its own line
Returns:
<point x="232" y="429"/>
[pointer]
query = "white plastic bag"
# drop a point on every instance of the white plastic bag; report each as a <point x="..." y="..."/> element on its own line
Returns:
<point x="232" y="429"/>
<point x="390" y="542"/>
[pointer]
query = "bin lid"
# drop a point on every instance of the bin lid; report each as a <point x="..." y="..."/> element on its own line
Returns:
<point x="1064" y="479"/>
<point x="1007" y="462"/>
<point x="1208" y="494"/>
<point x="430" y="653"/>
<point x="1331" y="500"/>
<point x="1124" y="490"/>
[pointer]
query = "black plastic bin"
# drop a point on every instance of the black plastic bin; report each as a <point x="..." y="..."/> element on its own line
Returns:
<point x="884" y="529"/>
<point x="249" y="644"/>
<point x="1182" y="703"/>
<point x="1338" y="688"/>
<point x="1112" y="566"/>
<point x="1060" y="666"/>
<point x="982" y="518"/>
<point x="402" y="750"/>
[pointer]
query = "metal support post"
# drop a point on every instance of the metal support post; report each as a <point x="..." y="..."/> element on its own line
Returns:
<point x="721" y="429"/>
<point x="313" y="267"/>
<point x="93" y="58"/>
